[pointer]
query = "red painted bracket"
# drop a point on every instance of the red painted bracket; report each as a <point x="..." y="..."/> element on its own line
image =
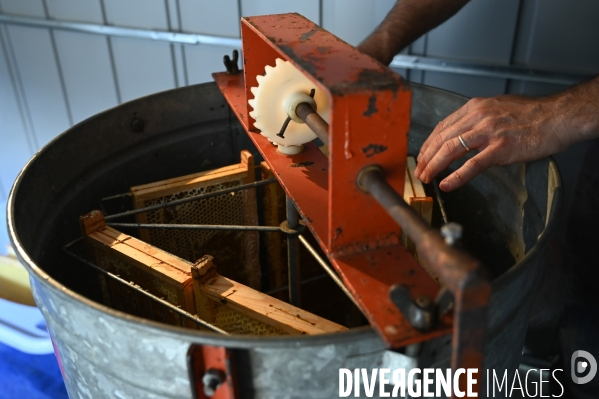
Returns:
<point x="369" y="125"/>
<point x="217" y="362"/>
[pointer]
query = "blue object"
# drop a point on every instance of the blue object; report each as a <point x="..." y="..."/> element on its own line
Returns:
<point x="28" y="367"/>
<point x="29" y="376"/>
<point x="24" y="328"/>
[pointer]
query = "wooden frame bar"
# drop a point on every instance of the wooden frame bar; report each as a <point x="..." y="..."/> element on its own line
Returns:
<point x="148" y="267"/>
<point x="196" y="288"/>
<point x="253" y="311"/>
<point x="416" y="197"/>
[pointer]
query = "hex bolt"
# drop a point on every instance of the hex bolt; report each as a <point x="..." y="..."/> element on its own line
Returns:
<point x="420" y="311"/>
<point x="212" y="379"/>
<point x="452" y="232"/>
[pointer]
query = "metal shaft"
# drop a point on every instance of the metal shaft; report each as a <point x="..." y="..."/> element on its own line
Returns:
<point x="440" y="201"/>
<point x="195" y="227"/>
<point x="147" y="294"/>
<point x="329" y="270"/>
<point x="191" y="199"/>
<point x="451" y="266"/>
<point x="318" y="125"/>
<point x="457" y="271"/>
<point x="293" y="267"/>
<point x="372" y="180"/>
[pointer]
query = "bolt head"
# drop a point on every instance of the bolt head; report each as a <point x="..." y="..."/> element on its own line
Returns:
<point x="452" y="232"/>
<point x="211" y="380"/>
<point x="137" y="125"/>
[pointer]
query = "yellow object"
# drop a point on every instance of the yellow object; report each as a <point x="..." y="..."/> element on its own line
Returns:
<point x="14" y="282"/>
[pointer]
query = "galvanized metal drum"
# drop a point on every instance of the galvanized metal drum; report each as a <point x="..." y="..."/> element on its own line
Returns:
<point x="508" y="214"/>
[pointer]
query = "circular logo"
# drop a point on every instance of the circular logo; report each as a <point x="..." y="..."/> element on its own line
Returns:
<point x="581" y="366"/>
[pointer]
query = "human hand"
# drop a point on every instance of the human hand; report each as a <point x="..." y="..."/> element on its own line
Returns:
<point x="504" y="130"/>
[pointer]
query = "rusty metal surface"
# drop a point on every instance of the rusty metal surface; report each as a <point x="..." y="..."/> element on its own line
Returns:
<point x="306" y="172"/>
<point x="217" y="360"/>
<point x="314" y="121"/>
<point x="368" y="273"/>
<point x="370" y="108"/>
<point x="369" y="124"/>
<point x="459" y="272"/>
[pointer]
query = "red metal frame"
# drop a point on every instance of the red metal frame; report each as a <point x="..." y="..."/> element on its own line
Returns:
<point x="369" y="124"/>
<point x="201" y="358"/>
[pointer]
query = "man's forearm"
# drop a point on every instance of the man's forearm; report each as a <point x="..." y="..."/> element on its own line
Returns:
<point x="406" y="22"/>
<point x="578" y="112"/>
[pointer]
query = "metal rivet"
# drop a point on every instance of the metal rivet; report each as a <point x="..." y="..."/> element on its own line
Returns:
<point x="137" y="125"/>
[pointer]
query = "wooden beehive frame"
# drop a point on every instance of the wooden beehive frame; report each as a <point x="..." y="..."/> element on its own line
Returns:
<point x="244" y="172"/>
<point x="196" y="288"/>
<point x="156" y="271"/>
<point x="213" y="290"/>
<point x="415" y="195"/>
<point x="416" y="198"/>
<point x="274" y="214"/>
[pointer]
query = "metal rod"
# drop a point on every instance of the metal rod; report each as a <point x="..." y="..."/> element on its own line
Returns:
<point x="123" y="195"/>
<point x="293" y="266"/>
<point x="191" y="199"/>
<point x="281" y="133"/>
<point x="372" y="181"/>
<point x="195" y="227"/>
<point x="166" y="304"/>
<point x="440" y="201"/>
<point x="456" y="270"/>
<point x="318" y="125"/>
<point x="491" y="71"/>
<point x="304" y="281"/>
<point x="451" y="266"/>
<point x="119" y="31"/>
<point x="328" y="269"/>
<point x="400" y="61"/>
<point x="75" y="241"/>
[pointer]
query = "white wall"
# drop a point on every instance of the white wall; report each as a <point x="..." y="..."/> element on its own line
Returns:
<point x="52" y="79"/>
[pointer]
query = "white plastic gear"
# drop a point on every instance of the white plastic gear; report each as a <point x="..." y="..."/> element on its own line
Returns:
<point x="278" y="83"/>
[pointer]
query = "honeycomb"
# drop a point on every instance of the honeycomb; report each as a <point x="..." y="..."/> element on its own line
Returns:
<point x="236" y="251"/>
<point x="190" y="244"/>
<point x="125" y="298"/>
<point x="237" y="323"/>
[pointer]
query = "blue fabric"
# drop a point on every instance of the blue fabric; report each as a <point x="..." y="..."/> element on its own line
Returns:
<point x="29" y="376"/>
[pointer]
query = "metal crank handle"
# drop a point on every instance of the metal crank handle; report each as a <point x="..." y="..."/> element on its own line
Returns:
<point x="459" y="272"/>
